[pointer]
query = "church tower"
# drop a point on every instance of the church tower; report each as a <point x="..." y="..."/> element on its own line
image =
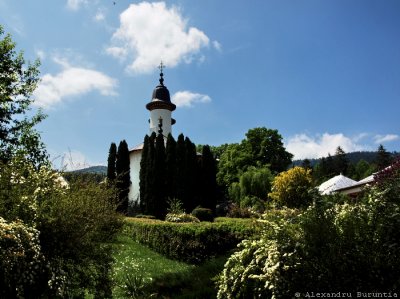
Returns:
<point x="161" y="122"/>
<point x="161" y="108"/>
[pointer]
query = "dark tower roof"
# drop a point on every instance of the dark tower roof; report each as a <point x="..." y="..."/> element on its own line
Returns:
<point x="161" y="98"/>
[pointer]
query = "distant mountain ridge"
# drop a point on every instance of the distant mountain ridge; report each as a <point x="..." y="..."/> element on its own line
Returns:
<point x="353" y="157"/>
<point x="100" y="169"/>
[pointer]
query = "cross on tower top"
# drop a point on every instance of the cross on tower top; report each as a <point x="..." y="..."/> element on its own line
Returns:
<point x="161" y="67"/>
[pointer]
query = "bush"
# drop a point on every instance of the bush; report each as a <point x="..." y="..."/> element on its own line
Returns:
<point x="21" y="260"/>
<point x="236" y="211"/>
<point x="330" y="246"/>
<point x="181" y="218"/>
<point x="74" y="225"/>
<point x="291" y="188"/>
<point x="190" y="242"/>
<point x="203" y="214"/>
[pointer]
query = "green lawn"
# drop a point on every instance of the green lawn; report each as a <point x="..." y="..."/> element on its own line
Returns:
<point x="140" y="272"/>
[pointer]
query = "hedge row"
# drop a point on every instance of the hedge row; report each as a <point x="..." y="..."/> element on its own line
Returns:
<point x="190" y="242"/>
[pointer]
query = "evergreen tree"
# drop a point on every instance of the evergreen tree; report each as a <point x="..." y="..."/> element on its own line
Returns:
<point x="170" y="167"/>
<point x="150" y="178"/>
<point x="340" y="161"/>
<point x="123" y="176"/>
<point x="306" y="163"/>
<point x="160" y="195"/>
<point x="143" y="185"/>
<point x="383" y="158"/>
<point x="112" y="157"/>
<point x="191" y="196"/>
<point x="208" y="180"/>
<point x="180" y="177"/>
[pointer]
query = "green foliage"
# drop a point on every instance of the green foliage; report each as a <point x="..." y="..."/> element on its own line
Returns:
<point x="71" y="221"/>
<point x="362" y="170"/>
<point x="18" y="80"/>
<point x="291" y="188"/>
<point x="160" y="191"/>
<point x="253" y="188"/>
<point x="262" y="148"/>
<point x="21" y="260"/>
<point x="203" y="214"/>
<point x="383" y="158"/>
<point x="175" y="172"/>
<point x="145" y="216"/>
<point x="181" y="218"/>
<point x="207" y="180"/>
<point x="234" y="160"/>
<point x="236" y="211"/>
<point x="151" y="275"/>
<point x="190" y="242"/>
<point x="175" y="206"/>
<point x="123" y="183"/>
<point x="267" y="148"/>
<point x="170" y="167"/>
<point x="331" y="246"/>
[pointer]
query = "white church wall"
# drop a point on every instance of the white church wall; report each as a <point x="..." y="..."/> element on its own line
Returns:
<point x="165" y="115"/>
<point x="134" y="158"/>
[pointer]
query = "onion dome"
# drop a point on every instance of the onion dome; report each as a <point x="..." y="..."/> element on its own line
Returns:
<point x="161" y="98"/>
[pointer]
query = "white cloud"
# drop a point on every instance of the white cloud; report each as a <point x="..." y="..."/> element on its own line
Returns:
<point x="188" y="99"/>
<point x="75" y="4"/>
<point x="151" y="32"/>
<point x="71" y="81"/>
<point x="40" y="54"/>
<point x="303" y="146"/>
<point x="217" y="45"/>
<point x="386" y="138"/>
<point x="100" y="16"/>
<point x="117" y="52"/>
<point x="73" y="160"/>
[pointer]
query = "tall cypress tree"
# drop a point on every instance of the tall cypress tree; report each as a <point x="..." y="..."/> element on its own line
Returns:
<point x="191" y="196"/>
<point x="143" y="186"/>
<point x="112" y="157"/>
<point x="170" y="167"/>
<point x="150" y="178"/>
<point x="208" y="179"/>
<point x="123" y="176"/>
<point x="160" y="196"/>
<point x="180" y="177"/>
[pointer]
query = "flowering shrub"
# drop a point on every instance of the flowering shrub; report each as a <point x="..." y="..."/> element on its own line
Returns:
<point x="70" y="222"/>
<point x="180" y="218"/>
<point x="330" y="247"/>
<point x="21" y="260"/>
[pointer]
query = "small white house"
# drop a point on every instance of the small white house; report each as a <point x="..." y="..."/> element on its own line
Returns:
<point x="336" y="183"/>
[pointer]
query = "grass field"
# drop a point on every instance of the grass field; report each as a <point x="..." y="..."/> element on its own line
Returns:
<point x="142" y="273"/>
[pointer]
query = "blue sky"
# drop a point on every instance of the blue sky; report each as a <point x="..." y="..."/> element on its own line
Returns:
<point x="323" y="73"/>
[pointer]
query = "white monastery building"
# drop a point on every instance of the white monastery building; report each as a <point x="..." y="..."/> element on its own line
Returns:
<point x="161" y="122"/>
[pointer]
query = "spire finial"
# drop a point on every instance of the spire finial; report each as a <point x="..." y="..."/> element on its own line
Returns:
<point x="161" y="67"/>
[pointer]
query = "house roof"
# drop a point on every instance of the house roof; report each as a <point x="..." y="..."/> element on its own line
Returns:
<point x="337" y="182"/>
<point x="136" y="148"/>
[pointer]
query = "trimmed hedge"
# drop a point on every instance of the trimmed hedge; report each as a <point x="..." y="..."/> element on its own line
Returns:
<point x="203" y="214"/>
<point x="190" y="242"/>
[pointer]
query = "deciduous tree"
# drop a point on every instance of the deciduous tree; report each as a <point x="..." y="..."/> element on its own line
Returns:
<point x="18" y="80"/>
